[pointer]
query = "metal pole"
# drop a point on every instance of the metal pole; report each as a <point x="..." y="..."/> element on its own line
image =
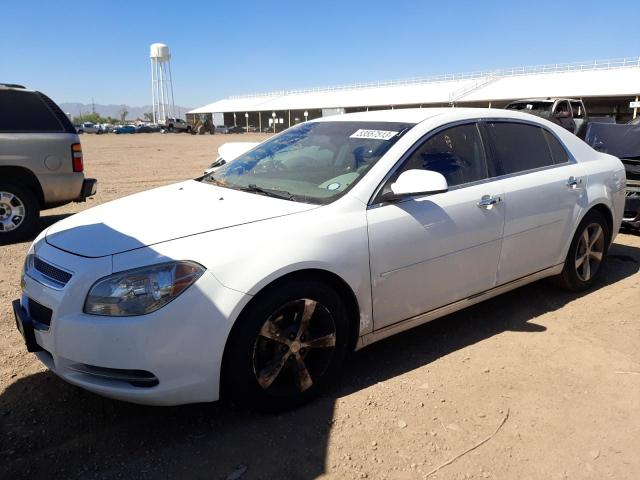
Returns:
<point x="153" y="96"/>
<point x="260" y="121"/>
<point x="289" y="118"/>
<point x="635" y="109"/>
<point x="163" y="116"/>
<point x="173" y="102"/>
<point x="166" y="90"/>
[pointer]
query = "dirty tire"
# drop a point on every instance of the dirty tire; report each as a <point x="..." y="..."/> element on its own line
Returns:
<point x="587" y="253"/>
<point x="286" y="348"/>
<point x="24" y="201"/>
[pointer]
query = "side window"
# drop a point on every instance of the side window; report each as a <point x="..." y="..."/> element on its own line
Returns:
<point x="457" y="153"/>
<point x="518" y="147"/>
<point x="26" y="112"/>
<point x="578" y="111"/>
<point x="557" y="150"/>
<point x="562" y="107"/>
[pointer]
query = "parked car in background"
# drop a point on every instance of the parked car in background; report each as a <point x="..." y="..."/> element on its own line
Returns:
<point x="603" y="134"/>
<point x="177" y="125"/>
<point x="569" y="113"/>
<point x="222" y="129"/>
<point x="125" y="129"/>
<point x="229" y="151"/>
<point x="88" y="127"/>
<point x="235" y="129"/>
<point x="41" y="163"/>
<point x="336" y="233"/>
<point x="147" y="128"/>
<point x="250" y="129"/>
<point x="106" y="127"/>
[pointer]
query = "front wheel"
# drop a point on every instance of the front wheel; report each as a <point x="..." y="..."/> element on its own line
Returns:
<point x="586" y="253"/>
<point x="287" y="347"/>
<point x="19" y="212"/>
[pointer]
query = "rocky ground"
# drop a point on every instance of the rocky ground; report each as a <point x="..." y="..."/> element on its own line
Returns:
<point x="547" y="383"/>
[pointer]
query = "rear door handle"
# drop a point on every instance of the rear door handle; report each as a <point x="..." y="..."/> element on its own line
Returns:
<point x="488" y="201"/>
<point x="574" y="183"/>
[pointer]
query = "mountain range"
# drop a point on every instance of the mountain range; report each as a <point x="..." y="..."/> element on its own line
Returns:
<point x="75" y="109"/>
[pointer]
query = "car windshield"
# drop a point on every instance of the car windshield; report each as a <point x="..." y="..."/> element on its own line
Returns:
<point x="542" y="109"/>
<point x="314" y="162"/>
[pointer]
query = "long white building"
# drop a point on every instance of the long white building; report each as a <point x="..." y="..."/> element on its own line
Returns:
<point x="606" y="86"/>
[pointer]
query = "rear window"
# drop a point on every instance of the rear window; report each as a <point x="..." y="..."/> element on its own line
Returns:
<point x="26" y="112"/>
<point x="518" y="147"/>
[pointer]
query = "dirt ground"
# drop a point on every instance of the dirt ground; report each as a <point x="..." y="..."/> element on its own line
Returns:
<point x="559" y="373"/>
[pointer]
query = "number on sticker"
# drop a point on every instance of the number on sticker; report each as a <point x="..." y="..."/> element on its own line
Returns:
<point x="374" y="134"/>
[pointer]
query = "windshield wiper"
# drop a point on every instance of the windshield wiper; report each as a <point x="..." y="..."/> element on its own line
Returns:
<point x="252" y="187"/>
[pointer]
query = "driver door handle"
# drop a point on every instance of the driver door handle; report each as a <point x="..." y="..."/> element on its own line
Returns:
<point x="488" y="201"/>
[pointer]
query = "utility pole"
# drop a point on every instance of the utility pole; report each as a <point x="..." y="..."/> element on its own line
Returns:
<point x="93" y="106"/>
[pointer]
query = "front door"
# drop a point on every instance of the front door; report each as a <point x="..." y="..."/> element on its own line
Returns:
<point x="431" y="251"/>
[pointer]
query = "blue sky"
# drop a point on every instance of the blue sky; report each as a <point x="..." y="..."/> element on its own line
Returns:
<point x="74" y="51"/>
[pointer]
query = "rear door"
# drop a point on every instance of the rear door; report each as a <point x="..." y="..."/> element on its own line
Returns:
<point x="426" y="252"/>
<point x="544" y="191"/>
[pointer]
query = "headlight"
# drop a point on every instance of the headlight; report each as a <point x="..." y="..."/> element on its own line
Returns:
<point x="28" y="265"/>
<point x="141" y="291"/>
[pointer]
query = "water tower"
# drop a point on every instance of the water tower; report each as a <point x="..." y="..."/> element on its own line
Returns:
<point x="161" y="84"/>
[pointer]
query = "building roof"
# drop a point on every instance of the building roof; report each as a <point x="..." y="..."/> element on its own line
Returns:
<point x="618" y="77"/>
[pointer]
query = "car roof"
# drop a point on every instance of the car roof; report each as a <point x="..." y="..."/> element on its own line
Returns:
<point x="13" y="86"/>
<point x="417" y="115"/>
<point x="546" y="100"/>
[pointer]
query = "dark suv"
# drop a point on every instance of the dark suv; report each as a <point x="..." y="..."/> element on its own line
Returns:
<point x="41" y="163"/>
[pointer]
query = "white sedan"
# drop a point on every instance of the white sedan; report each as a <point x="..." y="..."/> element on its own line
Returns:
<point x="337" y="233"/>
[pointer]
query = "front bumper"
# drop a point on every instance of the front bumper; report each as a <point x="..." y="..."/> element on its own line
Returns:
<point x="632" y="205"/>
<point x="169" y="357"/>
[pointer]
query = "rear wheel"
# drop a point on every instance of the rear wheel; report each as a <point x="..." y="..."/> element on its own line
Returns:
<point x="19" y="212"/>
<point x="287" y="348"/>
<point x="586" y="253"/>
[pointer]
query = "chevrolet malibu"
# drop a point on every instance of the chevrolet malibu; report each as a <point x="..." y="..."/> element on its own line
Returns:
<point x="253" y="282"/>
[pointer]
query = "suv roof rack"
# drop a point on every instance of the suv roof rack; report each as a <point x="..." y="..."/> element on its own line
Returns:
<point x="12" y="85"/>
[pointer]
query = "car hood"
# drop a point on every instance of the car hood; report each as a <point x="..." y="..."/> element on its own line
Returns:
<point x="163" y="214"/>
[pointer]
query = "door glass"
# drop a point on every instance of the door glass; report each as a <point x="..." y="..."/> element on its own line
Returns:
<point x="557" y="150"/>
<point x="518" y="147"/>
<point x="578" y="111"/>
<point x="457" y="153"/>
<point x="562" y="107"/>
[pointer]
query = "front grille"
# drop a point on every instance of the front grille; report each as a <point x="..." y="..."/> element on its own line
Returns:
<point x="40" y="313"/>
<point x="48" y="270"/>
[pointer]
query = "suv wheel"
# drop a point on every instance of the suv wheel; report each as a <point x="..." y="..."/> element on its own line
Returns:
<point x="19" y="212"/>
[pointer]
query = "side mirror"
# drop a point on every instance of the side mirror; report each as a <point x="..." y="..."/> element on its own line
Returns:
<point x="416" y="182"/>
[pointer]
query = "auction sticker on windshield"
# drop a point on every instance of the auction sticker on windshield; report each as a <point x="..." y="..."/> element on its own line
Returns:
<point x="374" y="134"/>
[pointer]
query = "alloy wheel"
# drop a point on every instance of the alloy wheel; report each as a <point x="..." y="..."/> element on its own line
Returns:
<point x="294" y="347"/>
<point x="589" y="252"/>
<point x="12" y="211"/>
